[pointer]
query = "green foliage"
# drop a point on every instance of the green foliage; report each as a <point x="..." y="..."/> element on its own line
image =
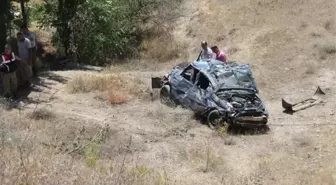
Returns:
<point x="107" y="31"/>
<point x="59" y="14"/>
<point x="96" y="30"/>
<point x="162" y="179"/>
<point x="142" y="170"/>
<point x="222" y="131"/>
<point x="91" y="153"/>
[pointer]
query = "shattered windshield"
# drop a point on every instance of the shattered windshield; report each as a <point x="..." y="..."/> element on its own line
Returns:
<point x="231" y="75"/>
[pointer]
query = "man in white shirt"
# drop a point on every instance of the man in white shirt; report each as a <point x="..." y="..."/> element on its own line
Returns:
<point x="207" y="53"/>
<point x="31" y="36"/>
<point x="25" y="53"/>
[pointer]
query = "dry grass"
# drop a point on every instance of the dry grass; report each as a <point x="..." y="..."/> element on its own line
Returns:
<point x="233" y="50"/>
<point x="116" y="88"/>
<point x="69" y="153"/>
<point x="163" y="48"/>
<point x="311" y="67"/>
<point x="76" y="151"/>
<point x="42" y="114"/>
<point x="116" y="97"/>
<point x="38" y="152"/>
<point x="213" y="162"/>
<point x="329" y="25"/>
<point x="43" y="38"/>
<point x="159" y="43"/>
<point x="303" y="25"/>
<point x="85" y="152"/>
<point x="229" y="141"/>
<point x="326" y="48"/>
<point x="302" y="140"/>
<point x="88" y="82"/>
<point x="314" y="34"/>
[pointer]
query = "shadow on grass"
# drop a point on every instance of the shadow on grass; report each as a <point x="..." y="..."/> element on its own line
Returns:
<point x="239" y="130"/>
<point x="38" y="85"/>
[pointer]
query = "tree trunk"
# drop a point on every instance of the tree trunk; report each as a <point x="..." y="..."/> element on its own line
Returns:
<point x="23" y="10"/>
<point x="3" y="20"/>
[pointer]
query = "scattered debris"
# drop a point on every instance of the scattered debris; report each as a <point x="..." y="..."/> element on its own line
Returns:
<point x="314" y="100"/>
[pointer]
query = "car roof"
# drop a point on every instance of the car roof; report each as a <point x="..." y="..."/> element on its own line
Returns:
<point x="204" y="65"/>
<point x="201" y="65"/>
<point x="226" y="75"/>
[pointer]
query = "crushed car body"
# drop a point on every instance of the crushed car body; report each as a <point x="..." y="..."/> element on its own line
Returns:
<point x="221" y="92"/>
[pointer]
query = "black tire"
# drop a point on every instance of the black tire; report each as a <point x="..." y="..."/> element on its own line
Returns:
<point x="165" y="96"/>
<point x="215" y="120"/>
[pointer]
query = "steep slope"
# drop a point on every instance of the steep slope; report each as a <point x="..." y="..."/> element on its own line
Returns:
<point x="286" y="42"/>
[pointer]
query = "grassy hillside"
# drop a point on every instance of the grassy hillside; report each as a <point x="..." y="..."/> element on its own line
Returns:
<point x="81" y="127"/>
<point x="284" y="41"/>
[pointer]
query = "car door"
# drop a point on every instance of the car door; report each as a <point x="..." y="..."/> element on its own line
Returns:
<point x="181" y="85"/>
<point x="196" y="97"/>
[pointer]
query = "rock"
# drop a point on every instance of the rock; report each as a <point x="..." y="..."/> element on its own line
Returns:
<point x="21" y="104"/>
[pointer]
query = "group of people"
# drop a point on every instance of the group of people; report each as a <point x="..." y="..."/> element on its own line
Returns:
<point x="18" y="69"/>
<point x="208" y="53"/>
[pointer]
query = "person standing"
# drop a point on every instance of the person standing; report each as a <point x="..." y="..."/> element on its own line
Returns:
<point x="8" y="66"/>
<point x="31" y="36"/>
<point x="25" y="53"/>
<point x="219" y="54"/>
<point x="206" y="51"/>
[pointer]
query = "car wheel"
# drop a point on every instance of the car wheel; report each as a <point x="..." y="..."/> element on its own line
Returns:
<point x="215" y="120"/>
<point x="165" y="96"/>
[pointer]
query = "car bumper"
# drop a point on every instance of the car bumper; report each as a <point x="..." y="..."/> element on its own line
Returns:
<point x="250" y="121"/>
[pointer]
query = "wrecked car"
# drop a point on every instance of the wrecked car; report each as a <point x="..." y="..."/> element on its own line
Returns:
<point x="220" y="92"/>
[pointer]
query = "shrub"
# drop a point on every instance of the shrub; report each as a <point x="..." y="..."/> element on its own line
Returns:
<point x="116" y="97"/>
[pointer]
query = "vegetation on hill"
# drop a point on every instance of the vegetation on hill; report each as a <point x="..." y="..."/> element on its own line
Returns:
<point x="96" y="31"/>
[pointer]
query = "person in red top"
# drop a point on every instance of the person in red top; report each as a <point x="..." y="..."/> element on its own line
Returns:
<point x="8" y="66"/>
<point x="219" y="54"/>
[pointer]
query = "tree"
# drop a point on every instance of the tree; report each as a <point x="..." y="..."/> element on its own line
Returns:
<point x="5" y="19"/>
<point x="59" y="14"/>
<point x="96" y="30"/>
<point x="24" y="13"/>
<point x="91" y="30"/>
